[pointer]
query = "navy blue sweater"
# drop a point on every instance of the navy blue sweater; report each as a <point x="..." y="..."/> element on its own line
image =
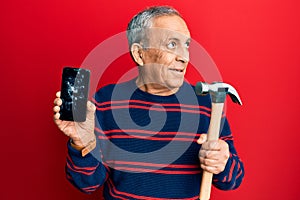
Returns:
<point x="147" y="146"/>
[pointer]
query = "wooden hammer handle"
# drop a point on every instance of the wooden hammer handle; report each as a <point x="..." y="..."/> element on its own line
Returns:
<point x="212" y="134"/>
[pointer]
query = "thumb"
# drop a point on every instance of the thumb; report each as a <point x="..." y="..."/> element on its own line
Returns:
<point x="202" y="139"/>
<point x="90" y="110"/>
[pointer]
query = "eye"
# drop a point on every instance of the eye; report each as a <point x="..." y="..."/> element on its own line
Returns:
<point x="171" y="45"/>
<point x="187" y="44"/>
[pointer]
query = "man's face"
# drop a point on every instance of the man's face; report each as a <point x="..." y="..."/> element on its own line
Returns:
<point x="166" y="54"/>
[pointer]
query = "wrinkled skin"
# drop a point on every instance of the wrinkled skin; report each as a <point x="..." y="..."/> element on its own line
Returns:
<point x="164" y="56"/>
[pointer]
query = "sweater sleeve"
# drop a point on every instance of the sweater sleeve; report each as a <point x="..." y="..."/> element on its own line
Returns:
<point x="85" y="173"/>
<point x="232" y="176"/>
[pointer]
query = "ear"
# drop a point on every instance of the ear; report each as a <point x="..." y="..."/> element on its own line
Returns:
<point x="137" y="53"/>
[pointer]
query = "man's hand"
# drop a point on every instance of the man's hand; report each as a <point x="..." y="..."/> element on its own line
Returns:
<point x="80" y="132"/>
<point x="213" y="155"/>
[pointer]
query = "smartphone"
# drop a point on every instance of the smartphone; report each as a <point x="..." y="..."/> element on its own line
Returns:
<point x="74" y="94"/>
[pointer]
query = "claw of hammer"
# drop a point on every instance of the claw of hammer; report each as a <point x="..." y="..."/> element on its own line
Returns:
<point x="217" y="87"/>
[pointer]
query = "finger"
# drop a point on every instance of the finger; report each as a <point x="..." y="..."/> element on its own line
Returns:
<point x="91" y="108"/>
<point x="211" y="169"/>
<point x="56" y="117"/>
<point x="223" y="145"/>
<point x="56" y="109"/>
<point x="209" y="162"/>
<point x="202" y="139"/>
<point x="58" y="94"/>
<point x="57" y="101"/>
<point x="213" y="145"/>
<point x="212" y="155"/>
<point x="214" y="168"/>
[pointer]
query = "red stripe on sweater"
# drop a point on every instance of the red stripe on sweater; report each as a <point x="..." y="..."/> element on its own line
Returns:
<point x="79" y="171"/>
<point x="81" y="168"/>
<point x="229" y="137"/>
<point x="224" y="179"/>
<point x="148" y="138"/>
<point x="152" y="164"/>
<point x="240" y="171"/>
<point x="231" y="170"/>
<point x="112" y="191"/>
<point x="155" y="171"/>
<point x="90" y="188"/>
<point x="112" y="187"/>
<point x="150" y="103"/>
<point x="146" y="132"/>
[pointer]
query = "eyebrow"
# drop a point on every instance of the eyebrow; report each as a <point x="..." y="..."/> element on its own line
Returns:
<point x="178" y="40"/>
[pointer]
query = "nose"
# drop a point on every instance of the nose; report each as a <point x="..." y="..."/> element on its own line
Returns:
<point x="183" y="56"/>
<point x="181" y="59"/>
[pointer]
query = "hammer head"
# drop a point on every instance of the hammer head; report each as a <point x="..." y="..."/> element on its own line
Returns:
<point x="218" y="90"/>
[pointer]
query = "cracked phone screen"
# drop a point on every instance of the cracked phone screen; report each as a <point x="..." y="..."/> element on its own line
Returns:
<point x="74" y="94"/>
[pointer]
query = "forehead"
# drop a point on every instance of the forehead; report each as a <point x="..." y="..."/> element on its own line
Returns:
<point x="171" y="23"/>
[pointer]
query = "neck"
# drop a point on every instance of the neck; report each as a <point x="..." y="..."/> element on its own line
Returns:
<point x="154" y="88"/>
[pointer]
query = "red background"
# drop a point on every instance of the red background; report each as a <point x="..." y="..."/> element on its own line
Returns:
<point x="254" y="43"/>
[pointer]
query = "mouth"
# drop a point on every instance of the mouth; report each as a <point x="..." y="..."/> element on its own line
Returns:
<point x="176" y="70"/>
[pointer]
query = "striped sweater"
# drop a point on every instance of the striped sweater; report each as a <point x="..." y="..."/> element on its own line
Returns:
<point x="147" y="146"/>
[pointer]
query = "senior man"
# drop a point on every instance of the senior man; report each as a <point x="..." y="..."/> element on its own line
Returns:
<point x="150" y="131"/>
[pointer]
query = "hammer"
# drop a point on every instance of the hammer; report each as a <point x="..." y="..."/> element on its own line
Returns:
<point x="218" y="93"/>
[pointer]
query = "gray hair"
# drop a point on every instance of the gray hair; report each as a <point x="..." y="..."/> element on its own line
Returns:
<point x="143" y="20"/>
